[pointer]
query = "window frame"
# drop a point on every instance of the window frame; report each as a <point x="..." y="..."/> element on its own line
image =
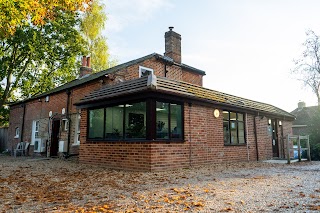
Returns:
<point x="144" y="68"/>
<point x="237" y="121"/>
<point x="77" y="130"/>
<point x="65" y="124"/>
<point x="17" y="132"/>
<point x="150" y="120"/>
<point x="35" y="129"/>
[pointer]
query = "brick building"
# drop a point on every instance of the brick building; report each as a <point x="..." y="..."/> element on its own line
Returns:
<point x="304" y="116"/>
<point x="148" y="114"/>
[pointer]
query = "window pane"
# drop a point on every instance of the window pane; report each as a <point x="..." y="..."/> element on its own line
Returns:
<point x="240" y="117"/>
<point x="225" y="115"/>
<point x="241" y="132"/>
<point x="226" y="132"/>
<point x="234" y="137"/>
<point x="162" y="122"/>
<point x="176" y="121"/>
<point x="233" y="116"/>
<point x="114" y="122"/>
<point x="135" y="125"/>
<point x="96" y="123"/>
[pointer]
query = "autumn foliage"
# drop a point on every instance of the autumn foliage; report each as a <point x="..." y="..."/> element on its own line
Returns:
<point x="15" y="13"/>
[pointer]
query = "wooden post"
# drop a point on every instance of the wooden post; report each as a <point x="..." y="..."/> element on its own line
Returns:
<point x="308" y="146"/>
<point x="299" y="149"/>
<point x="288" y="149"/>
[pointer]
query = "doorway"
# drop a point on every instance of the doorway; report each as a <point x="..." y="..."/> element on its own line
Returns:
<point x="275" y="142"/>
<point x="54" y="138"/>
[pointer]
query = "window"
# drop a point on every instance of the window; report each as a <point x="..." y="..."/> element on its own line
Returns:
<point x="118" y="122"/>
<point x="17" y="133"/>
<point x="168" y="120"/>
<point x="96" y="123"/>
<point x="136" y="121"/>
<point x="77" y="130"/>
<point x="65" y="124"/>
<point x="35" y="131"/>
<point x="144" y="71"/>
<point x="233" y="128"/>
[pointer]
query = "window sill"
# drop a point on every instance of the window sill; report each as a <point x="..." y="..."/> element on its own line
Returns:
<point x="16" y="137"/>
<point x="136" y="141"/>
<point x="75" y="144"/>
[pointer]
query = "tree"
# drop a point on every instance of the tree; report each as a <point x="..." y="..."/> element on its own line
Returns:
<point x="307" y="68"/>
<point x="37" y="58"/>
<point x="92" y="25"/>
<point x="17" y="13"/>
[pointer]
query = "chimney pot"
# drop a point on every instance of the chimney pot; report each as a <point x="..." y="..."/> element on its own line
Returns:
<point x="301" y="104"/>
<point x="88" y="62"/>
<point x="84" y="62"/>
<point x="85" y="68"/>
<point x="171" y="28"/>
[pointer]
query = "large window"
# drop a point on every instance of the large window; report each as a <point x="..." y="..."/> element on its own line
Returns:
<point x="233" y="128"/>
<point x="168" y="120"/>
<point x="123" y="121"/>
<point x="137" y="121"/>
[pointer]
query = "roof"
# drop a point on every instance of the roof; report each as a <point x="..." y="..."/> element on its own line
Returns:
<point x="304" y="115"/>
<point x="94" y="76"/>
<point x="179" y="88"/>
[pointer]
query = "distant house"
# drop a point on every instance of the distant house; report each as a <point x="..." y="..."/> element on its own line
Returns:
<point x="151" y="113"/>
<point x="304" y="116"/>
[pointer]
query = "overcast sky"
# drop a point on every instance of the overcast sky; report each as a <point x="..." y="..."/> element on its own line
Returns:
<point x="246" y="47"/>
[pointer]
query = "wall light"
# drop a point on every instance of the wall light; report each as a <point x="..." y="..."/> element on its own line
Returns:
<point x="269" y="121"/>
<point x="280" y="123"/>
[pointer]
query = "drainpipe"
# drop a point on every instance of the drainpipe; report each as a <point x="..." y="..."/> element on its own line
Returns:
<point x="69" y="121"/>
<point x="23" y="118"/>
<point x="255" y="136"/>
<point x="190" y="152"/>
<point x="248" y="153"/>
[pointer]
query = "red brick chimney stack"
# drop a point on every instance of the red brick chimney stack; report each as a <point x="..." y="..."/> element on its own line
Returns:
<point x="85" y="67"/>
<point x="173" y="45"/>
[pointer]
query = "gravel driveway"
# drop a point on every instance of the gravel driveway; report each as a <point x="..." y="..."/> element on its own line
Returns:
<point x="54" y="185"/>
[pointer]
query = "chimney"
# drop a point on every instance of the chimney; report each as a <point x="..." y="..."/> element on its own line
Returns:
<point x="85" y="68"/>
<point x="173" y="45"/>
<point x="301" y="105"/>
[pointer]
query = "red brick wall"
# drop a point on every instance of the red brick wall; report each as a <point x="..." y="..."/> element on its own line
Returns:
<point x="203" y="145"/>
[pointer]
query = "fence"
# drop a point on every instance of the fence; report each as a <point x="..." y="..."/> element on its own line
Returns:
<point x="4" y="139"/>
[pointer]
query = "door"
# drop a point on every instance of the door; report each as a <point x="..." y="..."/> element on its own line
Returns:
<point x="54" y="138"/>
<point x="275" y="142"/>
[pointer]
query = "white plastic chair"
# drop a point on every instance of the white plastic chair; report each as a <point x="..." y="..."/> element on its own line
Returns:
<point x="19" y="149"/>
<point x="22" y="148"/>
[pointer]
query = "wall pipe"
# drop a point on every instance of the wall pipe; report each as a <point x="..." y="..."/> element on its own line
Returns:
<point x="256" y="136"/>
<point x="190" y="152"/>
<point x="69" y="121"/>
<point x="23" y="118"/>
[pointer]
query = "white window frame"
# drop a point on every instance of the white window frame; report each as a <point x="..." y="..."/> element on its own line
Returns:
<point x="17" y="132"/>
<point x="77" y="130"/>
<point x="143" y="69"/>
<point x="35" y="130"/>
<point x="65" y="123"/>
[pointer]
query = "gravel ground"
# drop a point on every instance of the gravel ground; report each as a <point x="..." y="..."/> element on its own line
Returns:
<point x="54" y="185"/>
